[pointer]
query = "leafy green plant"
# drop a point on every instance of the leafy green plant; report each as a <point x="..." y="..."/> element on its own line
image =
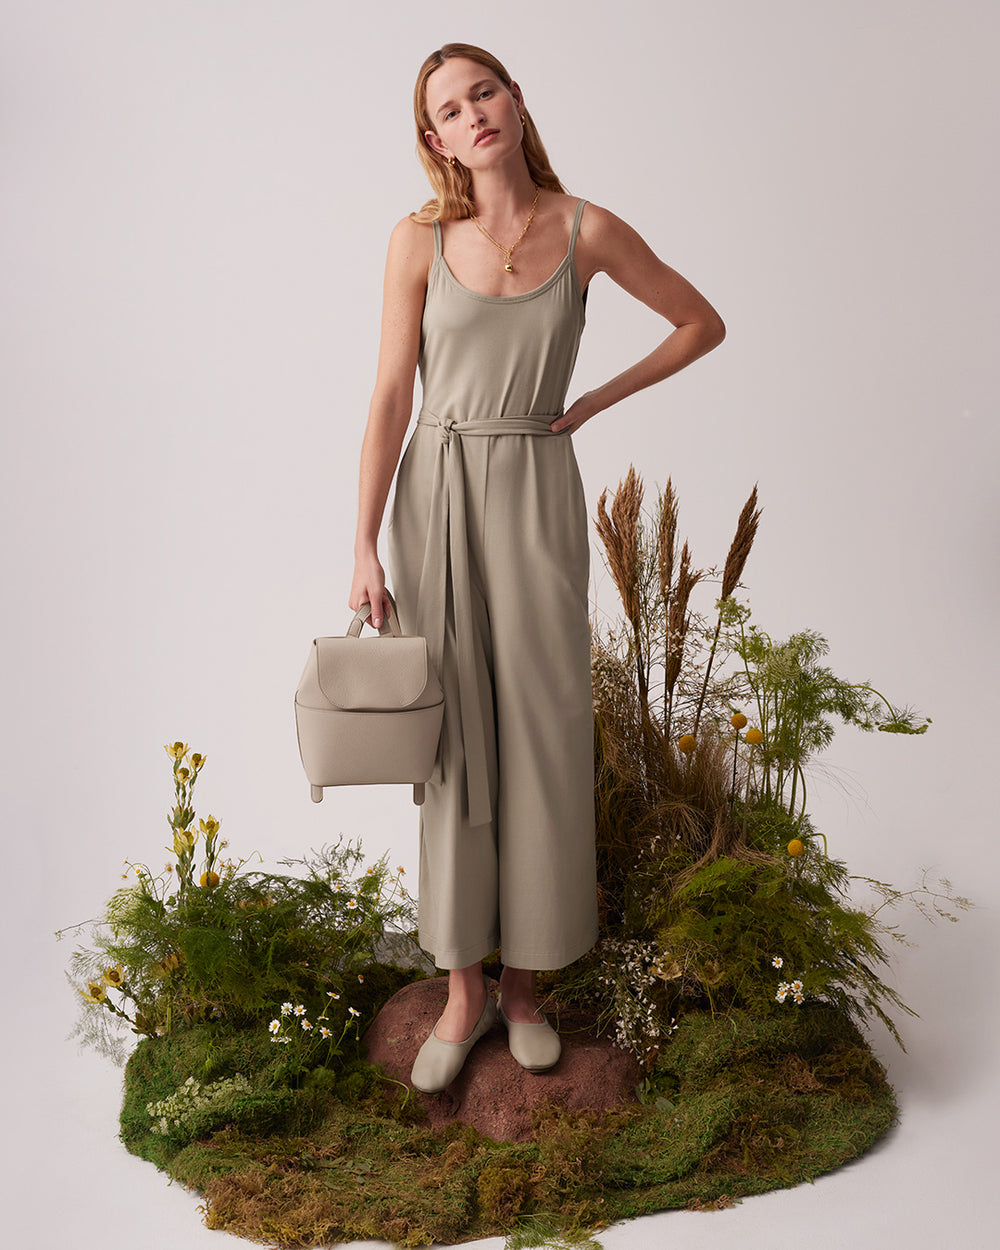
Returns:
<point x="796" y="699"/>
<point x="706" y="853"/>
<point x="209" y="940"/>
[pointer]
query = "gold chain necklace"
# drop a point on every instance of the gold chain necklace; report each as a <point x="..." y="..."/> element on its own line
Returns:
<point x="508" y="250"/>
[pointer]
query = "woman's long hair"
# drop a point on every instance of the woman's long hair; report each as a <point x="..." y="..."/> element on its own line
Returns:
<point x="453" y="183"/>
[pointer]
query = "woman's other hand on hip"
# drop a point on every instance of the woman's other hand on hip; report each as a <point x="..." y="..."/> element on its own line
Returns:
<point x="579" y="411"/>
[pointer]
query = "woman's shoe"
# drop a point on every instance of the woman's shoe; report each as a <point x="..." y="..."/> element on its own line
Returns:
<point x="438" y="1062"/>
<point x="536" y="1047"/>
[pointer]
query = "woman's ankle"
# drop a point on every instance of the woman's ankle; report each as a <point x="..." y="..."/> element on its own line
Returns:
<point x="466" y="984"/>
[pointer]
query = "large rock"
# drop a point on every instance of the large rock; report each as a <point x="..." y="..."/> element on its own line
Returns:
<point x="493" y="1092"/>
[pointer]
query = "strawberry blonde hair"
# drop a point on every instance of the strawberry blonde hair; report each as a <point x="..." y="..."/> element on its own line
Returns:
<point x="452" y="184"/>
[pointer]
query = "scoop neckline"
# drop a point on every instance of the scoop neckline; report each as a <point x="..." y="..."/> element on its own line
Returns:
<point x="503" y="299"/>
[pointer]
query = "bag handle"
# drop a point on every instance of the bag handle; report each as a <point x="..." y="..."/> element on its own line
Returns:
<point x="389" y="626"/>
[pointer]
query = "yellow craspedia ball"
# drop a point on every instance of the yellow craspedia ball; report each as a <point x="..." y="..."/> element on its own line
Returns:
<point x="686" y="743"/>
<point x="209" y="880"/>
<point x="796" y="848"/>
<point x="737" y="720"/>
<point x="754" y="736"/>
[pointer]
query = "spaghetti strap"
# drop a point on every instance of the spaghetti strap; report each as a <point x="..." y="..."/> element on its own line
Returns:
<point x="576" y="226"/>
<point x="437" y="239"/>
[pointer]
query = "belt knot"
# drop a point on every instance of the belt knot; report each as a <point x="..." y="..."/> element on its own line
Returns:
<point x="446" y="427"/>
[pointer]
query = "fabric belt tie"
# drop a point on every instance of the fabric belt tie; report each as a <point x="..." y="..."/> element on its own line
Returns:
<point x="447" y="549"/>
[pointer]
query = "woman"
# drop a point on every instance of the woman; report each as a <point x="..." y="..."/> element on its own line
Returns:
<point x="485" y="291"/>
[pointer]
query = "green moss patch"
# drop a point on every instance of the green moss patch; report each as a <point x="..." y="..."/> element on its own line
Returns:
<point x="735" y="1105"/>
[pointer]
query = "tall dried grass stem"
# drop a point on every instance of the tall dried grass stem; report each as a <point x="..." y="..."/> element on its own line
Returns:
<point x="677" y="617"/>
<point x="677" y="624"/>
<point x="746" y="531"/>
<point x="620" y="534"/>
<point x="666" y="540"/>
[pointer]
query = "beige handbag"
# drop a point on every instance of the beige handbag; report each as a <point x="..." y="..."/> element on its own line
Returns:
<point x="369" y="710"/>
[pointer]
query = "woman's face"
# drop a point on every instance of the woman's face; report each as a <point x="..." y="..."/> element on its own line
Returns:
<point x="466" y="100"/>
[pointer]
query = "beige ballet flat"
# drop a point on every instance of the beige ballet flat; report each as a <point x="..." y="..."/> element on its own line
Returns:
<point x="536" y="1047"/>
<point x="438" y="1062"/>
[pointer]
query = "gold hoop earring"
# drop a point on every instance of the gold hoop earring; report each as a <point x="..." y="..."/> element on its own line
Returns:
<point x="451" y="160"/>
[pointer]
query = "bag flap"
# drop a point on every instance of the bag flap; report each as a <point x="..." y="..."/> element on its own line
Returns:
<point x="371" y="674"/>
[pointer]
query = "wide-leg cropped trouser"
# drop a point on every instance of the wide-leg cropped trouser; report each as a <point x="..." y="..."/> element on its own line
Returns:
<point x="489" y="559"/>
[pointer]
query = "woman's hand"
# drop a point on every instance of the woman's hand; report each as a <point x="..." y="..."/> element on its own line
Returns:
<point x="369" y="587"/>
<point x="579" y="411"/>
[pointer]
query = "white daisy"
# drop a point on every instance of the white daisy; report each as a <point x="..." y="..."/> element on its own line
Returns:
<point x="778" y="961"/>
<point x="274" y="1026"/>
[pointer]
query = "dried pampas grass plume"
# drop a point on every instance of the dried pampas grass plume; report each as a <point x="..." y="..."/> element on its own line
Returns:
<point x="677" y="618"/>
<point x="746" y="531"/>
<point x="620" y="535"/>
<point x="666" y="540"/>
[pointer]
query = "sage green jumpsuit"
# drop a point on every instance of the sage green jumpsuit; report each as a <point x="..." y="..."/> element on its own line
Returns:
<point x="489" y="558"/>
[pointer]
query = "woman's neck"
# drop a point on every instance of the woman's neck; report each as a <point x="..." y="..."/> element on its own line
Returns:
<point x="503" y="195"/>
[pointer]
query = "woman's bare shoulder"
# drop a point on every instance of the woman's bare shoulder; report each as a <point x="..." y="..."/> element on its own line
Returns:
<point x="600" y="222"/>
<point x="605" y="238"/>
<point x="411" y="249"/>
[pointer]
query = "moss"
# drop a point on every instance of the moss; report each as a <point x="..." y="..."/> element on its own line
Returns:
<point x="737" y="1105"/>
<point x="503" y="1190"/>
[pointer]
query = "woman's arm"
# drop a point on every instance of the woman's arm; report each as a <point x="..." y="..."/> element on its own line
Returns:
<point x="609" y="245"/>
<point x="404" y="288"/>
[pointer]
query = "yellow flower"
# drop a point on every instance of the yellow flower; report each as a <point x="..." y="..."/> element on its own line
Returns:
<point x="796" y="848"/>
<point x="209" y="880"/>
<point x="177" y="750"/>
<point x="209" y="827"/>
<point x="737" y="720"/>
<point x="165" y="966"/>
<point x="182" y="774"/>
<point x="197" y="760"/>
<point x="184" y="840"/>
<point x="94" y="993"/>
<point x="754" y="736"/>
<point x="114" y="976"/>
<point x="686" y="743"/>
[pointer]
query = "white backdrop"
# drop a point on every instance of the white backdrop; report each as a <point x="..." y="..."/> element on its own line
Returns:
<point x="197" y="198"/>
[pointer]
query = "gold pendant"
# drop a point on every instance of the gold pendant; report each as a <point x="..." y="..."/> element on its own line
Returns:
<point x="509" y="267"/>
